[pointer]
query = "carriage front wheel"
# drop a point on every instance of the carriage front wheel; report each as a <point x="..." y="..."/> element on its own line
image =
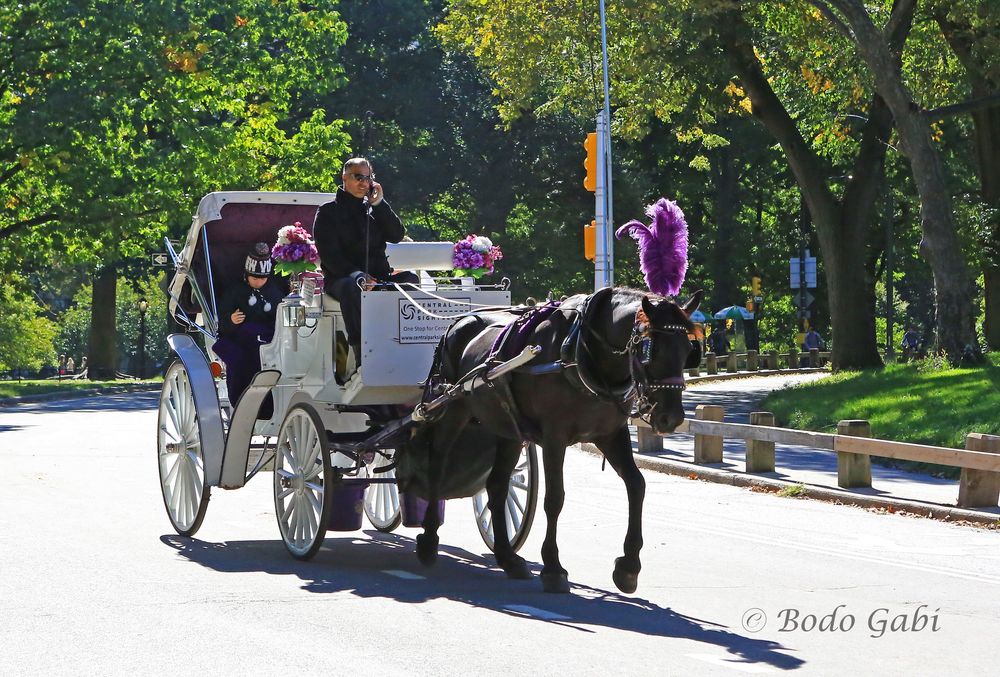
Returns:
<point x="303" y="480"/>
<point x="522" y="498"/>
<point x="179" y="448"/>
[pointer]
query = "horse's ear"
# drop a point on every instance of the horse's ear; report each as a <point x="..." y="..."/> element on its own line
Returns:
<point x="692" y="303"/>
<point x="647" y="306"/>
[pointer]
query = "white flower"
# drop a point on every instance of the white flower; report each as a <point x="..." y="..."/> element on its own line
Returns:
<point x="284" y="235"/>
<point x="481" y="244"/>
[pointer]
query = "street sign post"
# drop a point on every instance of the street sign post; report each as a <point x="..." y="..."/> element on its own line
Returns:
<point x="795" y="272"/>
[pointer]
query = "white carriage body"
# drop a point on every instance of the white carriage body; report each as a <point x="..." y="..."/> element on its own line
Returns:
<point x="400" y="329"/>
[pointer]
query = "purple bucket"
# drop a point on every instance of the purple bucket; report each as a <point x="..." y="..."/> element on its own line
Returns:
<point x="347" y="506"/>
<point x="412" y="508"/>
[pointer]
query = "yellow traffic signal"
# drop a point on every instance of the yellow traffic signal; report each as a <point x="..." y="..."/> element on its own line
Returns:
<point x="755" y="285"/>
<point x="590" y="163"/>
<point x="590" y="240"/>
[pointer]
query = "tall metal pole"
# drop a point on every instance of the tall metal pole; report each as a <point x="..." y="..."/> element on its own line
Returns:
<point x="609" y="261"/>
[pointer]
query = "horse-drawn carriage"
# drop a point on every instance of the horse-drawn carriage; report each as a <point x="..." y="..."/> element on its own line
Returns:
<point x="453" y="389"/>
<point x="329" y="420"/>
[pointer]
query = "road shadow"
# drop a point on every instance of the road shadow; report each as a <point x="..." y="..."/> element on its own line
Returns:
<point x="365" y="566"/>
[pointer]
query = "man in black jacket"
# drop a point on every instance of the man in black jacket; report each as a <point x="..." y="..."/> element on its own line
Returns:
<point x="351" y="233"/>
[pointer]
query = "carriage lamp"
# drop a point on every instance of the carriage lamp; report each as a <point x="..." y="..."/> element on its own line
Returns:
<point x="294" y="312"/>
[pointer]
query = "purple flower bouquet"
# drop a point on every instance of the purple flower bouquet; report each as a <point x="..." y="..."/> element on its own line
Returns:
<point x="474" y="256"/>
<point x="295" y="251"/>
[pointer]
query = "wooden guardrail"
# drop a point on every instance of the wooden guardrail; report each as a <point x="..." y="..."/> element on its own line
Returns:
<point x="979" y="484"/>
<point x="754" y="361"/>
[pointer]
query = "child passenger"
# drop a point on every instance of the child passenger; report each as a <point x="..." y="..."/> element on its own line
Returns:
<point x="246" y="320"/>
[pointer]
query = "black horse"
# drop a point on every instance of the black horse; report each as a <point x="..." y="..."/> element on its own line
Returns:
<point x="604" y="357"/>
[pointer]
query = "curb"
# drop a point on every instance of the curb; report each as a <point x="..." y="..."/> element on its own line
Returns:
<point x="830" y="495"/>
<point x="728" y="376"/>
<point x="76" y="394"/>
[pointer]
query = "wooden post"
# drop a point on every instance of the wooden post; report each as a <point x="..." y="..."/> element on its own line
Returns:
<point x="854" y="470"/>
<point x="711" y="363"/>
<point x="753" y="363"/>
<point x="980" y="488"/>
<point x="648" y="441"/>
<point x="793" y="358"/>
<point x="708" y="448"/>
<point x="731" y="363"/>
<point x="774" y="360"/>
<point x="814" y="357"/>
<point x="760" y="454"/>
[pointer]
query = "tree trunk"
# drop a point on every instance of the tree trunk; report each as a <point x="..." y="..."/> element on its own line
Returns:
<point x="940" y="246"/>
<point x="725" y="279"/>
<point x="841" y="231"/>
<point x="103" y="334"/>
<point x="986" y="123"/>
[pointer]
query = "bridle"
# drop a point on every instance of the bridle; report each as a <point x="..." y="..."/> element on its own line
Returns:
<point x="639" y="349"/>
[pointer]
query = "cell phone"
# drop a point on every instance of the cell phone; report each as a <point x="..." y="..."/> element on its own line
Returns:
<point x="371" y="190"/>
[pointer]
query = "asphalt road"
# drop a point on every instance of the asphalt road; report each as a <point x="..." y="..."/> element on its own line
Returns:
<point x="95" y="583"/>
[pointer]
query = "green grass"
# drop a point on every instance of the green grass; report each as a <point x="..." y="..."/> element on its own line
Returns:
<point x="793" y="491"/>
<point x="924" y="403"/>
<point x="20" y="388"/>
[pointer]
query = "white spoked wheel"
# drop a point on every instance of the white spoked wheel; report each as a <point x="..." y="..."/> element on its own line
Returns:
<point x="522" y="498"/>
<point x="181" y="461"/>
<point x="382" y="499"/>
<point x="303" y="478"/>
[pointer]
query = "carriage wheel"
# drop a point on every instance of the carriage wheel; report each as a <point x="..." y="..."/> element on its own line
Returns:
<point x="181" y="461"/>
<point x="522" y="497"/>
<point x="303" y="478"/>
<point x="382" y="500"/>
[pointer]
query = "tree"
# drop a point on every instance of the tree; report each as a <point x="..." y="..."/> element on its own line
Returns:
<point x="941" y="246"/>
<point x="26" y="336"/>
<point x="971" y="30"/>
<point x="116" y="117"/>
<point x="660" y="73"/>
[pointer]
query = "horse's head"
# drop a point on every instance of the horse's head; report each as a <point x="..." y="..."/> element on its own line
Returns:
<point x="665" y="347"/>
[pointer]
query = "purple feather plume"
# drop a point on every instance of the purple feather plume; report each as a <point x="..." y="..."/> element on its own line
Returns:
<point x="663" y="246"/>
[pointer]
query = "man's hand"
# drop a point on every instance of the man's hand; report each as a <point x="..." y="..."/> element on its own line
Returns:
<point x="237" y="317"/>
<point x="376" y="194"/>
<point x="366" y="282"/>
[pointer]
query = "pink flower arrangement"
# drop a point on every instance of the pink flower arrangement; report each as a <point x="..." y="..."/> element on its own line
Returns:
<point x="295" y="251"/>
<point x="474" y="256"/>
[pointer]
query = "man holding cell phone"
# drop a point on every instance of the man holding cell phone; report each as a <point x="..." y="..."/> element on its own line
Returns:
<point x="351" y="233"/>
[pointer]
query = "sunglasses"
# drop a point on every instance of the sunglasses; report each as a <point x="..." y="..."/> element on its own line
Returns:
<point x="362" y="177"/>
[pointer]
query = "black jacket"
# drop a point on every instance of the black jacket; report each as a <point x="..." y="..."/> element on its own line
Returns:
<point x="238" y="297"/>
<point x="340" y="232"/>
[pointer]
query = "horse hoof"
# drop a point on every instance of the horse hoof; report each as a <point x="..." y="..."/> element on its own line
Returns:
<point x="626" y="581"/>
<point x="427" y="547"/>
<point x="516" y="569"/>
<point x="555" y="583"/>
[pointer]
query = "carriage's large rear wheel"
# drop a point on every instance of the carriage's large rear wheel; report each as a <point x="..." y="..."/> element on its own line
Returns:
<point x="303" y="480"/>
<point x="179" y="447"/>
<point x="382" y="499"/>
<point x="522" y="498"/>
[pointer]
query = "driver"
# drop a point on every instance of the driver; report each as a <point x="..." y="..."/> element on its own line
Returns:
<point x="351" y="233"/>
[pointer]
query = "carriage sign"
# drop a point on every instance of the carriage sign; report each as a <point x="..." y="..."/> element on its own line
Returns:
<point x="417" y="326"/>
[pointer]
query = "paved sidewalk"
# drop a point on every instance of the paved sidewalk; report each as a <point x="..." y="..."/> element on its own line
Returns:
<point x="815" y="468"/>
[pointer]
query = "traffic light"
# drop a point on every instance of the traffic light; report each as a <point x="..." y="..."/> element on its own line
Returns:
<point x="755" y="285"/>
<point x="590" y="240"/>
<point x="590" y="163"/>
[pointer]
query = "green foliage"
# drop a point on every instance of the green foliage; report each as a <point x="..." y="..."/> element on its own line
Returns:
<point x="115" y="117"/>
<point x="25" y="334"/>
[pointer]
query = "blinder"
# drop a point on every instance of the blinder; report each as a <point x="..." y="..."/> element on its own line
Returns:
<point x="694" y="357"/>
